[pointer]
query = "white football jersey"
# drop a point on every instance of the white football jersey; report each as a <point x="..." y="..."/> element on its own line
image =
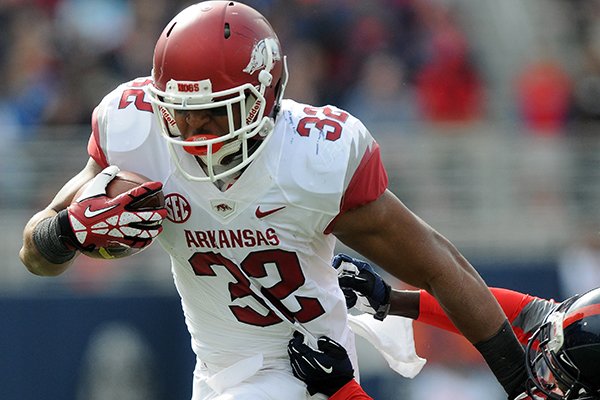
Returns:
<point x="266" y="237"/>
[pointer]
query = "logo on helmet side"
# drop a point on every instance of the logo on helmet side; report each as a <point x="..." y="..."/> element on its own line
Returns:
<point x="259" y="56"/>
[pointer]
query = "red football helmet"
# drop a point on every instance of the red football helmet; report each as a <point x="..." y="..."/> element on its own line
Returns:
<point x="219" y="55"/>
<point x="563" y="356"/>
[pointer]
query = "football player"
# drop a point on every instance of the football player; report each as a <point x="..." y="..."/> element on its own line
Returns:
<point x="257" y="191"/>
<point x="562" y="339"/>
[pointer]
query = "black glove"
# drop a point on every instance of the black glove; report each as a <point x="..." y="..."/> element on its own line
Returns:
<point x="362" y="286"/>
<point x="324" y="370"/>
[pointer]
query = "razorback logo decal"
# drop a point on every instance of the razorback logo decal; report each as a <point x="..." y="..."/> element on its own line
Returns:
<point x="259" y="56"/>
<point x="223" y="207"/>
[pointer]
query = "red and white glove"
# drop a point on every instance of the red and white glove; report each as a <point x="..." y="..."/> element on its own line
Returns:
<point x="95" y="220"/>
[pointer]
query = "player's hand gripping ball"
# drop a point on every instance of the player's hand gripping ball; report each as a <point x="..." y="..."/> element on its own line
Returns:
<point x="116" y="214"/>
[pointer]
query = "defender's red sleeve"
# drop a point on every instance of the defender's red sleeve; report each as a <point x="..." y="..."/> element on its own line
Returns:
<point x="512" y="304"/>
<point x="351" y="391"/>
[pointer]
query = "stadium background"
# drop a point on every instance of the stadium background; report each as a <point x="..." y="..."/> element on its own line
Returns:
<point x="486" y="113"/>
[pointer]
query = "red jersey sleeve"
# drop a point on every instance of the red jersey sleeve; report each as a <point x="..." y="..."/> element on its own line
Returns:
<point x="94" y="149"/>
<point x="351" y="391"/>
<point x="368" y="183"/>
<point x="513" y="304"/>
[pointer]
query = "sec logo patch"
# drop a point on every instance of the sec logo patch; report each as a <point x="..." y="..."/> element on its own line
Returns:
<point x="178" y="208"/>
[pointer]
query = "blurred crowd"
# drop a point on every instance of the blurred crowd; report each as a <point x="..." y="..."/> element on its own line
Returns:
<point x="390" y="60"/>
<point x="60" y="57"/>
<point x="395" y="64"/>
<point x="385" y="59"/>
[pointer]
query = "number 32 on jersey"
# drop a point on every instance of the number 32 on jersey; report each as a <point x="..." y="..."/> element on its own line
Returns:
<point x="330" y="124"/>
<point x="254" y="267"/>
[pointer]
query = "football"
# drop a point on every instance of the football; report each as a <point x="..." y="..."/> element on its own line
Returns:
<point x="121" y="183"/>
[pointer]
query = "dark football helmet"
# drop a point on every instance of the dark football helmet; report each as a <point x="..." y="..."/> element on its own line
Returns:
<point x="563" y="356"/>
<point x="222" y="56"/>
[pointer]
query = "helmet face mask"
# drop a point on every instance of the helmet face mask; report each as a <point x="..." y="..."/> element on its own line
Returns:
<point x="563" y="356"/>
<point x="223" y="57"/>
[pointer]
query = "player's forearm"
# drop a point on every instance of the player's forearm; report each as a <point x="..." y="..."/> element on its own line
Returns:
<point x="487" y="327"/>
<point x="464" y="296"/>
<point x="30" y="255"/>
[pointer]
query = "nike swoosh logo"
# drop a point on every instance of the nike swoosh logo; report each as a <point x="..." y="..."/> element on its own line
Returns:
<point x="262" y="214"/>
<point x="327" y="370"/>
<point x="89" y="213"/>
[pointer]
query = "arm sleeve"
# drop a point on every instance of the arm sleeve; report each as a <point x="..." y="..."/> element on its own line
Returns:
<point x="351" y="391"/>
<point x="94" y="147"/>
<point x="512" y="303"/>
<point x="369" y="181"/>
